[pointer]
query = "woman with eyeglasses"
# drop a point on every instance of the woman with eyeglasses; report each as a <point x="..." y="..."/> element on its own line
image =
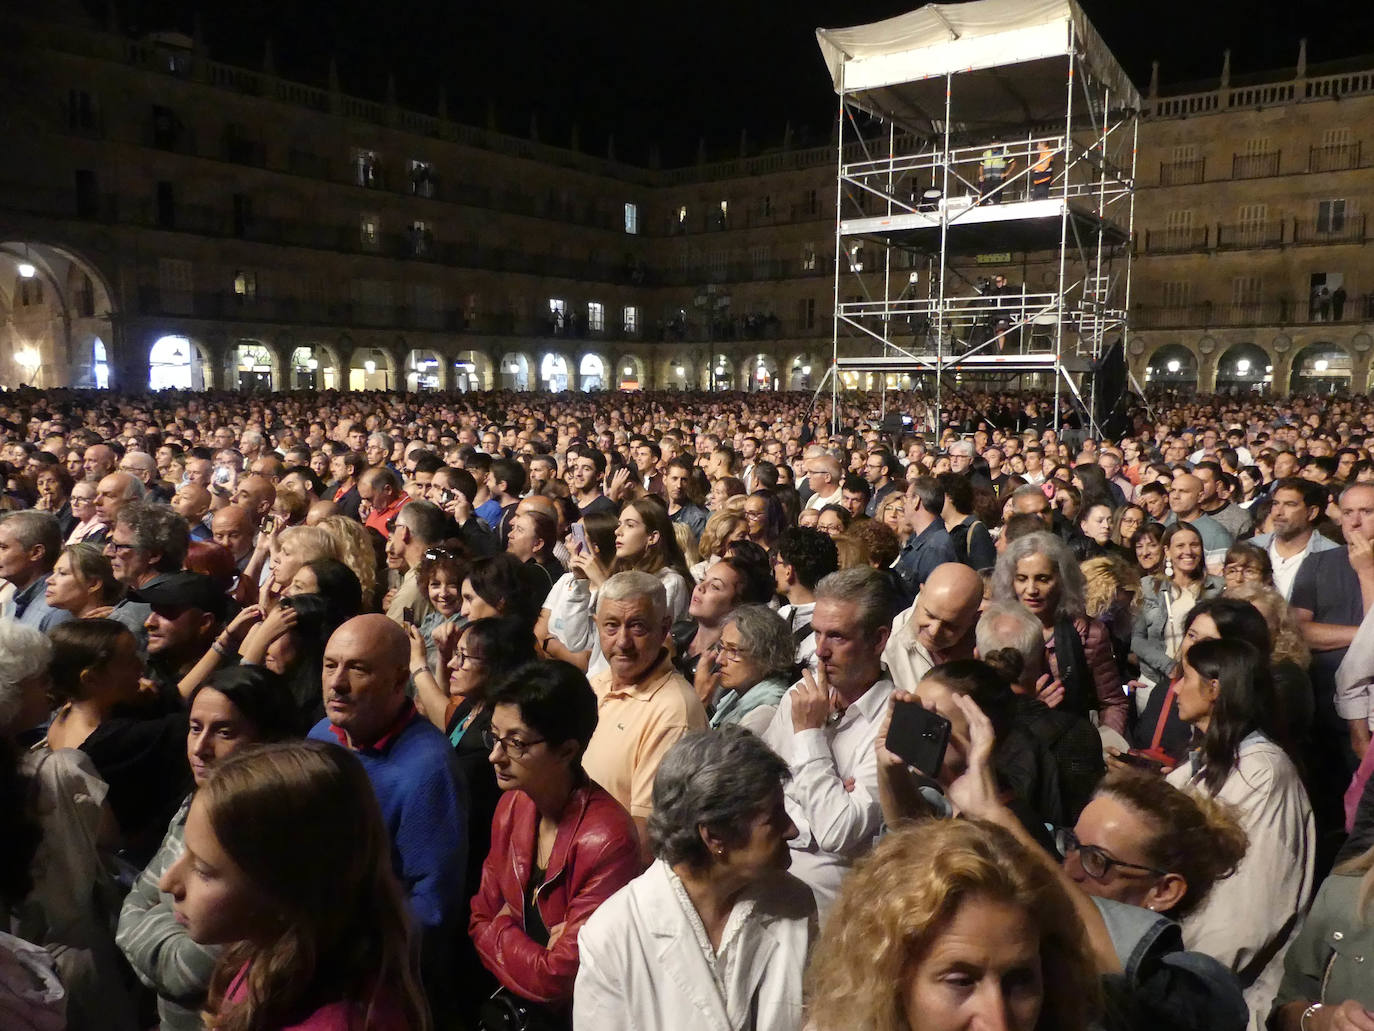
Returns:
<point x="1141" y="855"/>
<point x="560" y="844"/>
<point x="755" y="664"/>
<point x="1247" y="564"/>
<point x="1227" y="694"/>
<point x="764" y="519"/>
<point x="453" y="696"/>
<point x="1127" y="522"/>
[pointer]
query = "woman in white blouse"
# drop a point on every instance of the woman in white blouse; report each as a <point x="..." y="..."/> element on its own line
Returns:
<point x="1250" y="919"/>
<point x="715" y="934"/>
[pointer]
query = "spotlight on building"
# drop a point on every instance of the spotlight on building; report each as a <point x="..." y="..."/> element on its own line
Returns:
<point x="26" y="270"/>
<point x="1243" y="366"/>
<point x="369" y="366"/>
<point x="806" y="370"/>
<point x="27" y="359"/>
<point x="1174" y="365"/>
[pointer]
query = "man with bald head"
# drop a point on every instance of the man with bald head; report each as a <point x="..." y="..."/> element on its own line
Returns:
<point x="414" y="775"/>
<point x="1185" y="506"/>
<point x="232" y="527"/>
<point x="256" y="495"/>
<point x="938" y="628"/>
<point x="112" y="493"/>
<point x="99" y="461"/>
<point x="143" y="467"/>
<point x="192" y="503"/>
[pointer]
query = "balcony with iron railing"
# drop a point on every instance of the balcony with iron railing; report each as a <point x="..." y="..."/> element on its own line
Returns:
<point x="1255" y="166"/>
<point x="1250" y="235"/>
<point x="1174" y="241"/>
<point x="1339" y="157"/>
<point x="1331" y="230"/>
<point x="1182" y="173"/>
<point x="1272" y="311"/>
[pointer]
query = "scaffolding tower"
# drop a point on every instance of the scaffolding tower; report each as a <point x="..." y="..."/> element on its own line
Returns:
<point x="977" y="139"/>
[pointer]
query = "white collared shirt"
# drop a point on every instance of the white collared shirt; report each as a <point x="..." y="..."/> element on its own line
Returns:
<point x="834" y="826"/>
<point x="1286" y="569"/>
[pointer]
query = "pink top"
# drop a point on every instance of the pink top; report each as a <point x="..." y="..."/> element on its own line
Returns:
<point x="335" y="1016"/>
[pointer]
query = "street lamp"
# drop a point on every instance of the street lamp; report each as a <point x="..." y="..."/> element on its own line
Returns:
<point x="1321" y="365"/>
<point x="27" y="270"/>
<point x="1174" y="365"/>
<point x="1243" y="366"/>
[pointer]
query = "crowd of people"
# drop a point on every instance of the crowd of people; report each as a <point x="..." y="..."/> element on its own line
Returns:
<point x="480" y="711"/>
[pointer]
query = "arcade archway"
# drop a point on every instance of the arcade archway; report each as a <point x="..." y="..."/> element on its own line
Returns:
<point x="1321" y="368"/>
<point x="1172" y="367"/>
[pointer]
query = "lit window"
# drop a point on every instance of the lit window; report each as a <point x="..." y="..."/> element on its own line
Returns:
<point x="596" y="316"/>
<point x="369" y="230"/>
<point x="421" y="178"/>
<point x="245" y="285"/>
<point x="558" y="314"/>
<point x="421" y="238"/>
<point x="808" y="261"/>
<point x="630" y="319"/>
<point x="631" y="218"/>
<point x="366" y="169"/>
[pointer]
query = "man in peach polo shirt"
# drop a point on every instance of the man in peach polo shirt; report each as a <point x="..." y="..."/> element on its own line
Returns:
<point x="644" y="705"/>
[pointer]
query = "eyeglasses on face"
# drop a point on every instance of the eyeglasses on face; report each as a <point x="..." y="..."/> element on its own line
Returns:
<point x="511" y="745"/>
<point x="1096" y="863"/>
<point x="466" y="660"/>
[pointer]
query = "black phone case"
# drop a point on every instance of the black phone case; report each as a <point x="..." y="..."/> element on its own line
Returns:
<point x="919" y="737"/>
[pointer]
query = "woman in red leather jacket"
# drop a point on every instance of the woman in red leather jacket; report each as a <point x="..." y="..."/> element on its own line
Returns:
<point x="560" y="845"/>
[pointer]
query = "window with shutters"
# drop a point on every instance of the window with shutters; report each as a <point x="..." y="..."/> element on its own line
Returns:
<point x="808" y="259"/>
<point x="596" y="316"/>
<point x="1178" y="293"/>
<point x="1178" y="228"/>
<point x="1251" y="223"/>
<point x="1330" y="216"/>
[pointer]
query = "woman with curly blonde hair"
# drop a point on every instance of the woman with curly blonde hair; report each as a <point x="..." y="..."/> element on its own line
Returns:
<point x="358" y="553"/>
<point x="944" y="922"/>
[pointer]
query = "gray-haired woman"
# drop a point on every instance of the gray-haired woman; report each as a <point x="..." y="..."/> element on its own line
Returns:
<point x="755" y="664"/>
<point x="716" y="907"/>
<point x="1039" y="571"/>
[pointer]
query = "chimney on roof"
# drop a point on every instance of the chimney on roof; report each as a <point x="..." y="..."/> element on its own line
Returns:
<point x="787" y="135"/>
<point x="701" y="150"/>
<point x="1154" y="80"/>
<point x="1226" y="68"/>
<point x="1302" y="58"/>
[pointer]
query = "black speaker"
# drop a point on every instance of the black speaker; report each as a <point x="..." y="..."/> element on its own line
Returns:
<point x="1109" y="379"/>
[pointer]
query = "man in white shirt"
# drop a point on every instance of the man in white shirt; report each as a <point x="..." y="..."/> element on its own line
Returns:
<point x="1296" y="507"/>
<point x="825" y="729"/>
<point x="826" y="478"/>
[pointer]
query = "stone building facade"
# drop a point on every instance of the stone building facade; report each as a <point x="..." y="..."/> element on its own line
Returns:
<point x="167" y="219"/>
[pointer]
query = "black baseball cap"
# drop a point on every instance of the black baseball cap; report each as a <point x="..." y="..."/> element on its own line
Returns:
<point x="183" y="590"/>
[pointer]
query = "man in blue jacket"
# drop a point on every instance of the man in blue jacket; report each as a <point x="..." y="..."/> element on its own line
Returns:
<point x="415" y="776"/>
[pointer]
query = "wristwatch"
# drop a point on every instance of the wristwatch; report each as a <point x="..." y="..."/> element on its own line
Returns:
<point x="1302" y="1021"/>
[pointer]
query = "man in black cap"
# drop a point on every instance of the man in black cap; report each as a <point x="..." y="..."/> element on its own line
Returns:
<point x="186" y="612"/>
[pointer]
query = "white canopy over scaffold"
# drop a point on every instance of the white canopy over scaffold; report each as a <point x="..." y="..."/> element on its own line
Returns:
<point x="995" y="136"/>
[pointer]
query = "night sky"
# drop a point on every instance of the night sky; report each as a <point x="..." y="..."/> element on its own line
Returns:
<point x="670" y="74"/>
